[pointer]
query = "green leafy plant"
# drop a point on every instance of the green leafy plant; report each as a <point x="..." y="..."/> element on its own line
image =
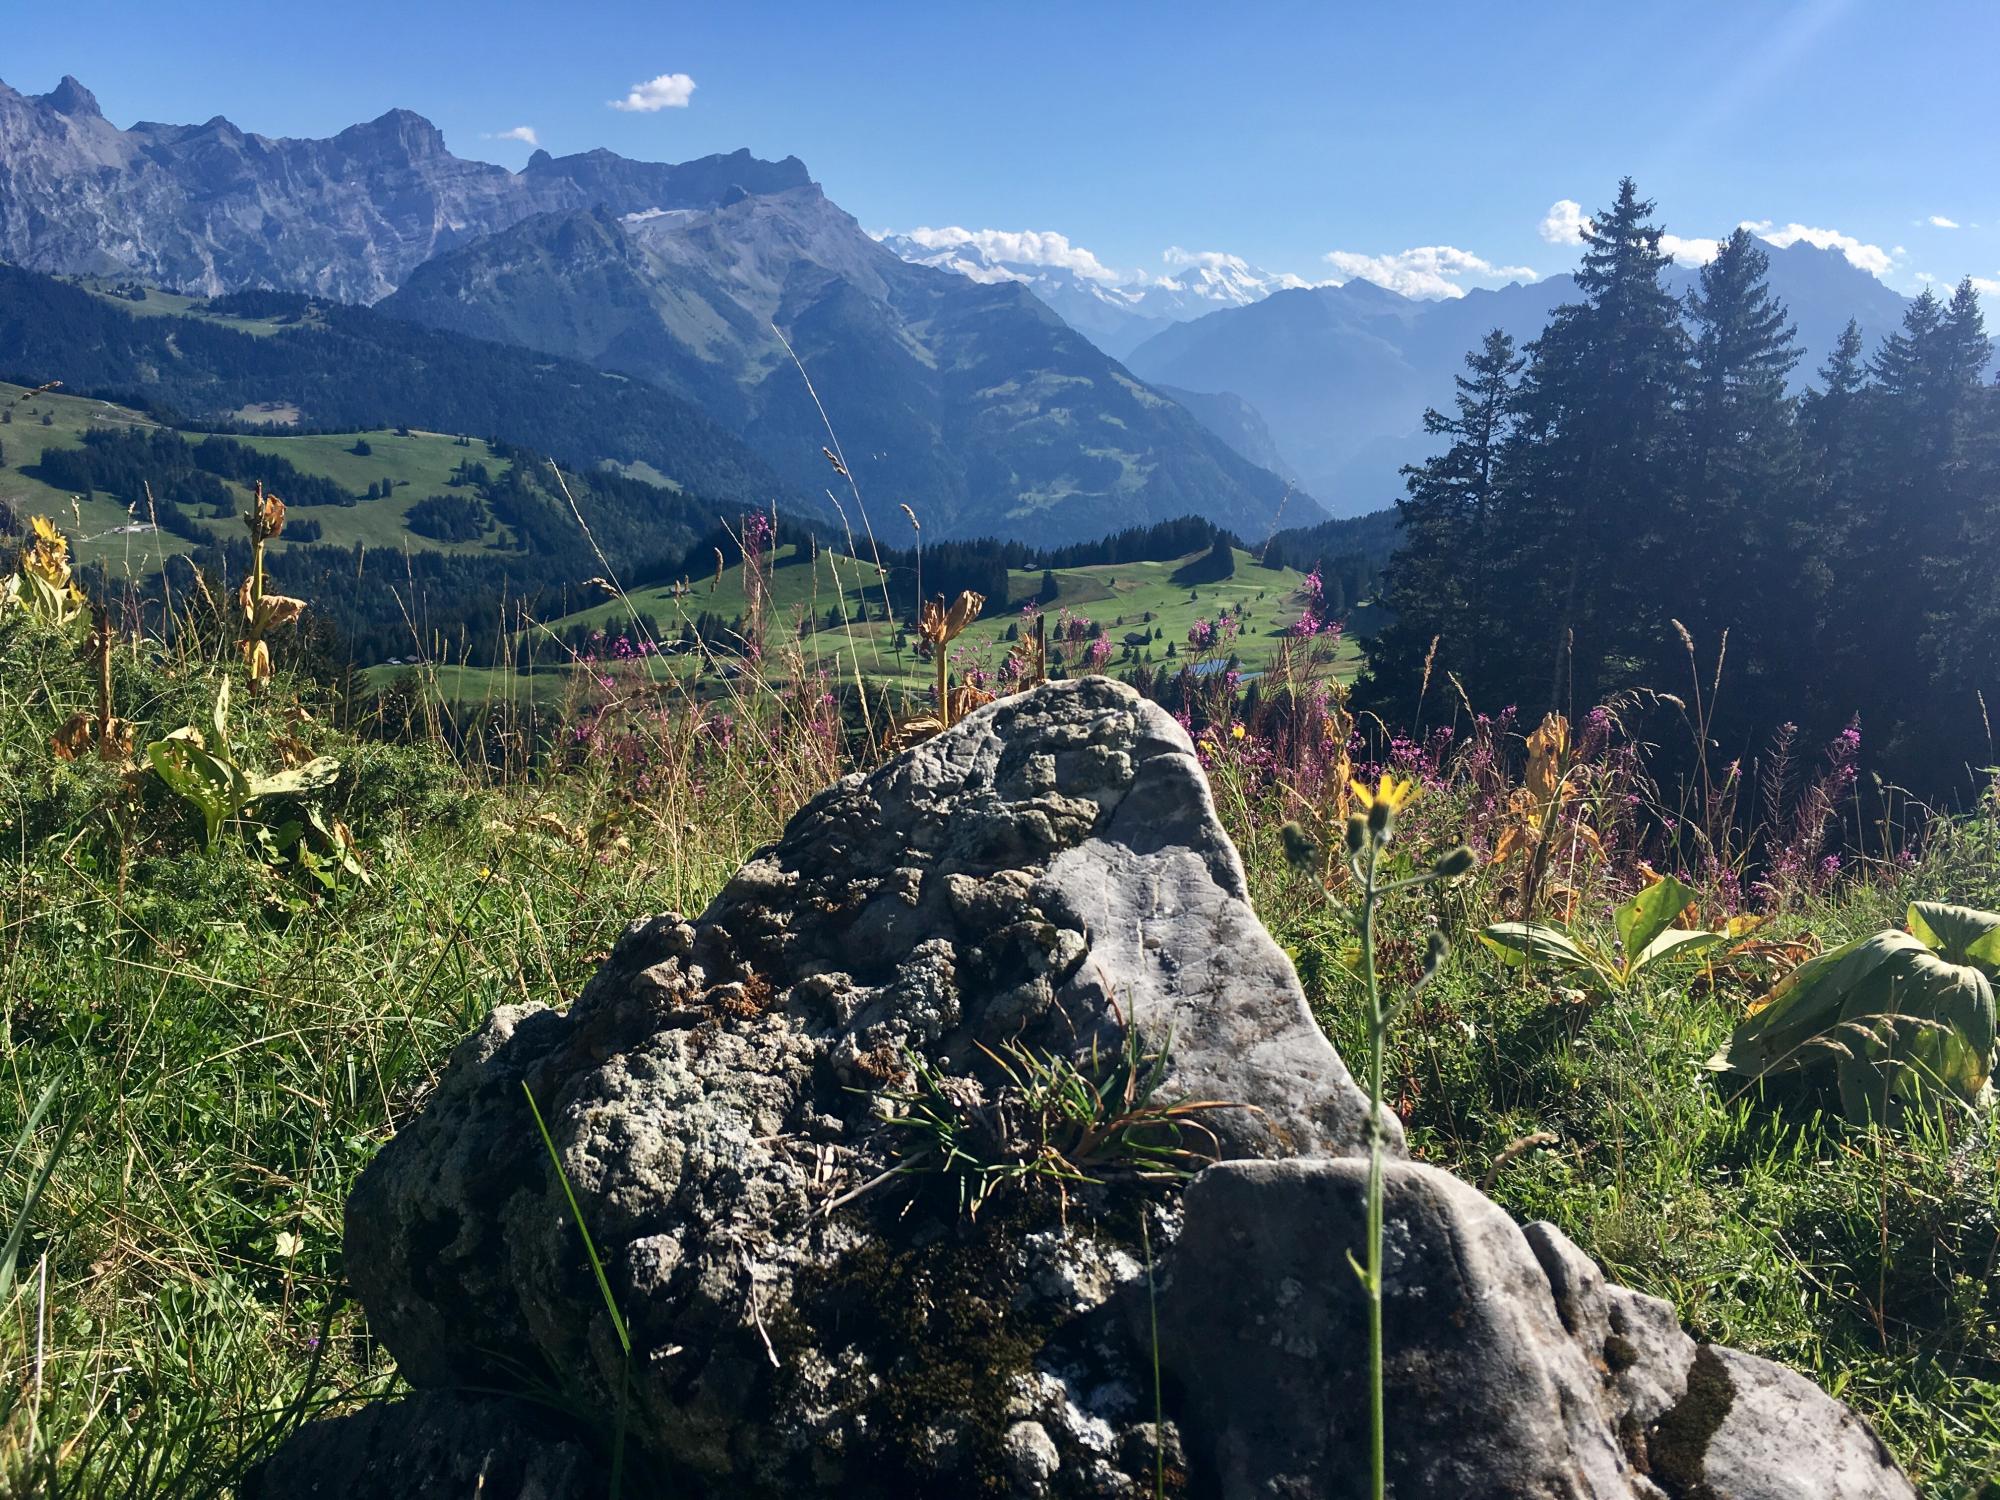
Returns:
<point x="1904" y="1016"/>
<point x="1648" y="941"/>
<point x="41" y="582"/>
<point x="208" y="776"/>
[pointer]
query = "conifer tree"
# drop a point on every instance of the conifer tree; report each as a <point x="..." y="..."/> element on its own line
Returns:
<point x="1595" y="459"/>
<point x="1439" y="586"/>
<point x="1742" y="534"/>
<point x="1831" y="412"/>
<point x="1912" y="498"/>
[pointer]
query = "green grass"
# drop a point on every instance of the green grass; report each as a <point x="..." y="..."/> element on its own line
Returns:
<point x="229" y="1045"/>
<point x="1119" y="596"/>
<point x="419" y="462"/>
<point x="543" y="671"/>
<point x="92" y="524"/>
<point x="164" y="304"/>
<point x="233" y="1043"/>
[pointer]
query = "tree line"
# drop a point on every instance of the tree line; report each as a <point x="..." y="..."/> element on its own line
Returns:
<point x="1618" y="496"/>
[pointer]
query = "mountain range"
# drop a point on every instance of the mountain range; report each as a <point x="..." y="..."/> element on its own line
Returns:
<point x="1327" y="385"/>
<point x="1341" y="375"/>
<point x="973" y="403"/>
<point x="996" y="386"/>
<point x="210" y="208"/>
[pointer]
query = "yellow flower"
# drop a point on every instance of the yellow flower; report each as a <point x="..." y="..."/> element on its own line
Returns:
<point x="1236" y="731"/>
<point x="1392" y="794"/>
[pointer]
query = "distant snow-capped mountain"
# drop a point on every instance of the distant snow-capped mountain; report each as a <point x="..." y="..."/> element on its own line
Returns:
<point x="1117" y="311"/>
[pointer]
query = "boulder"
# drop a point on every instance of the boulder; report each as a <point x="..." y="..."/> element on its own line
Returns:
<point x="886" y="1158"/>
<point x="1512" y="1370"/>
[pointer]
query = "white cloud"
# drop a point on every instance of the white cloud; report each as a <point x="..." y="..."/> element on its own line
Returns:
<point x="1871" y="258"/>
<point x="1563" y="223"/>
<point x="1939" y="221"/>
<point x="1986" y="287"/>
<point x="668" y="91"/>
<point x="522" y="133"/>
<point x="1435" y="271"/>
<point x="1030" y="247"/>
<point x="1694" y="251"/>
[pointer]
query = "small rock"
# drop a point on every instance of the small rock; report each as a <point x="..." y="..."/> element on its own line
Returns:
<point x="1031" y="1457"/>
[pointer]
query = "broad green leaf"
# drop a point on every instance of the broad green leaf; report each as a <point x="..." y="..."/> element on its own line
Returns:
<point x="214" y="785"/>
<point x="1675" y="942"/>
<point x="56" y="603"/>
<point x="1915" y="1026"/>
<point x="1959" y="934"/>
<point x="315" y="775"/>
<point x="1806" y="1004"/>
<point x="1517" y="943"/>
<point x="1650" y="913"/>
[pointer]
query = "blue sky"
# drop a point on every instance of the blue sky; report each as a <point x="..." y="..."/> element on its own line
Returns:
<point x="1281" y="133"/>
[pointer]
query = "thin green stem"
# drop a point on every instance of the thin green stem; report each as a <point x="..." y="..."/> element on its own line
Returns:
<point x="1372" y="1280"/>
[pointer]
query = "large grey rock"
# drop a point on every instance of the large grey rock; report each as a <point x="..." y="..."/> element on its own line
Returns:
<point x="1513" y="1370"/>
<point x="1046" y="875"/>
<point x="812" y="1309"/>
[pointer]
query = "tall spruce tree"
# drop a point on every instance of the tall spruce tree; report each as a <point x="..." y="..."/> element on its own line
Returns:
<point x="1438" y="586"/>
<point x="1743" y="533"/>
<point x="1912" y="497"/>
<point x="1595" y="460"/>
<point x="1830" y="413"/>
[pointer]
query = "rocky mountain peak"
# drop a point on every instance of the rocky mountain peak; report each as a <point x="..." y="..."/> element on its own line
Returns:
<point x="71" y="98"/>
<point x="402" y="129"/>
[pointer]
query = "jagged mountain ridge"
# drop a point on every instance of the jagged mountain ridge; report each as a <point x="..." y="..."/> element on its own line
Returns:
<point x="212" y="208"/>
<point x="974" y="404"/>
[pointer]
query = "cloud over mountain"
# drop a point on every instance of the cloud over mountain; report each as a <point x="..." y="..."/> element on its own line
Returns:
<point x="1426" y="271"/>
<point x="1030" y="247"/>
<point x="1871" y="258"/>
<point x="1563" y="223"/>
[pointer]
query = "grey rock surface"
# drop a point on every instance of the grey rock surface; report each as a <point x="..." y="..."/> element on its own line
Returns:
<point x="1264" y="1329"/>
<point x="813" y="1310"/>
<point x="432" y="1444"/>
<point x="1045" y="876"/>
<point x="1514" y="1371"/>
